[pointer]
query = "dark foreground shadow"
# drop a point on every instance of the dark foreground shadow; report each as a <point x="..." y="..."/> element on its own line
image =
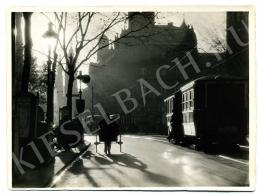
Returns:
<point x="37" y="177"/>
<point x="231" y="151"/>
<point x="67" y="156"/>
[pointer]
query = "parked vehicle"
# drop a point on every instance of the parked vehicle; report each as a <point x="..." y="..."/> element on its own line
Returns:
<point x="209" y="110"/>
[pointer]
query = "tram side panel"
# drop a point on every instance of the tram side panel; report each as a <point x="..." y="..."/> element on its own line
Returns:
<point x="199" y="114"/>
<point x="220" y="113"/>
<point x="226" y="105"/>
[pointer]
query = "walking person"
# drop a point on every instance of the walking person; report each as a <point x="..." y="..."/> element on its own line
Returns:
<point x="107" y="134"/>
<point x="104" y="135"/>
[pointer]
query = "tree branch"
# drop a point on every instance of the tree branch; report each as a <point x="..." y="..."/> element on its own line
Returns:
<point x="94" y="50"/>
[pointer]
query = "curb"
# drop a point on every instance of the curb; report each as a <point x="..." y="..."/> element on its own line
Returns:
<point x="49" y="184"/>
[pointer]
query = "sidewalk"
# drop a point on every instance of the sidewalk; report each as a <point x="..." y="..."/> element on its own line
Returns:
<point x="41" y="176"/>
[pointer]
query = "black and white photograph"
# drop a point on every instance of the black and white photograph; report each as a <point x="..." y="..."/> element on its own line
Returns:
<point x="132" y="98"/>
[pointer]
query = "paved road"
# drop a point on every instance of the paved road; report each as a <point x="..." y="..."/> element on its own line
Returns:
<point x="151" y="162"/>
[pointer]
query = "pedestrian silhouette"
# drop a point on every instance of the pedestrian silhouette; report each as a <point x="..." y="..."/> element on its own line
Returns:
<point x="108" y="133"/>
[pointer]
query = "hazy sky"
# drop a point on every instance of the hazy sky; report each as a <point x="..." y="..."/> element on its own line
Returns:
<point x="205" y="25"/>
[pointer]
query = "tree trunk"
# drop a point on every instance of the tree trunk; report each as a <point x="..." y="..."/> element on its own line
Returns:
<point x="19" y="49"/>
<point x="27" y="52"/>
<point x="69" y="93"/>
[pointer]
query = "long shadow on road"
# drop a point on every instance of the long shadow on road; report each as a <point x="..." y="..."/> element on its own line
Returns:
<point x="78" y="168"/>
<point x="121" y="160"/>
<point x="128" y="160"/>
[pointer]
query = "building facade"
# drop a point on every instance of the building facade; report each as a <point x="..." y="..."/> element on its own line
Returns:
<point x="142" y="47"/>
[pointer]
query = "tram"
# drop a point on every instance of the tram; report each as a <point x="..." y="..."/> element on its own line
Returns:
<point x="209" y="110"/>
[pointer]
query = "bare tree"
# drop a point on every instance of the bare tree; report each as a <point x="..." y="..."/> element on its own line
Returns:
<point x="215" y="40"/>
<point x="218" y="43"/>
<point x="84" y="31"/>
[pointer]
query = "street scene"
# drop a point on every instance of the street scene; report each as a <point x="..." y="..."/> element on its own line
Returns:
<point x="125" y="100"/>
<point x="164" y="165"/>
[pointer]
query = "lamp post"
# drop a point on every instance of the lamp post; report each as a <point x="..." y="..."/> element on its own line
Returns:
<point x="51" y="35"/>
<point x="80" y="92"/>
<point x="80" y="103"/>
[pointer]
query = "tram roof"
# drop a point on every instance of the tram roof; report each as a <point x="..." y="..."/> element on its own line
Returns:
<point x="169" y="97"/>
<point x="204" y="78"/>
<point x="211" y="78"/>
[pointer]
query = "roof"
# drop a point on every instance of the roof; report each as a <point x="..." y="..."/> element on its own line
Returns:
<point x="161" y="35"/>
<point x="172" y="96"/>
<point x="212" y="78"/>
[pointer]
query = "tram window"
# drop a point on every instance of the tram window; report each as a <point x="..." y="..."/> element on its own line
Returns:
<point x="191" y="116"/>
<point x="184" y="118"/>
<point x="187" y="100"/>
<point x="171" y="106"/>
<point x="192" y="94"/>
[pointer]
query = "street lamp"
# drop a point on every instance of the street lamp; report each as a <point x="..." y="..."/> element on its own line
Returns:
<point x="80" y="103"/>
<point x="51" y="36"/>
